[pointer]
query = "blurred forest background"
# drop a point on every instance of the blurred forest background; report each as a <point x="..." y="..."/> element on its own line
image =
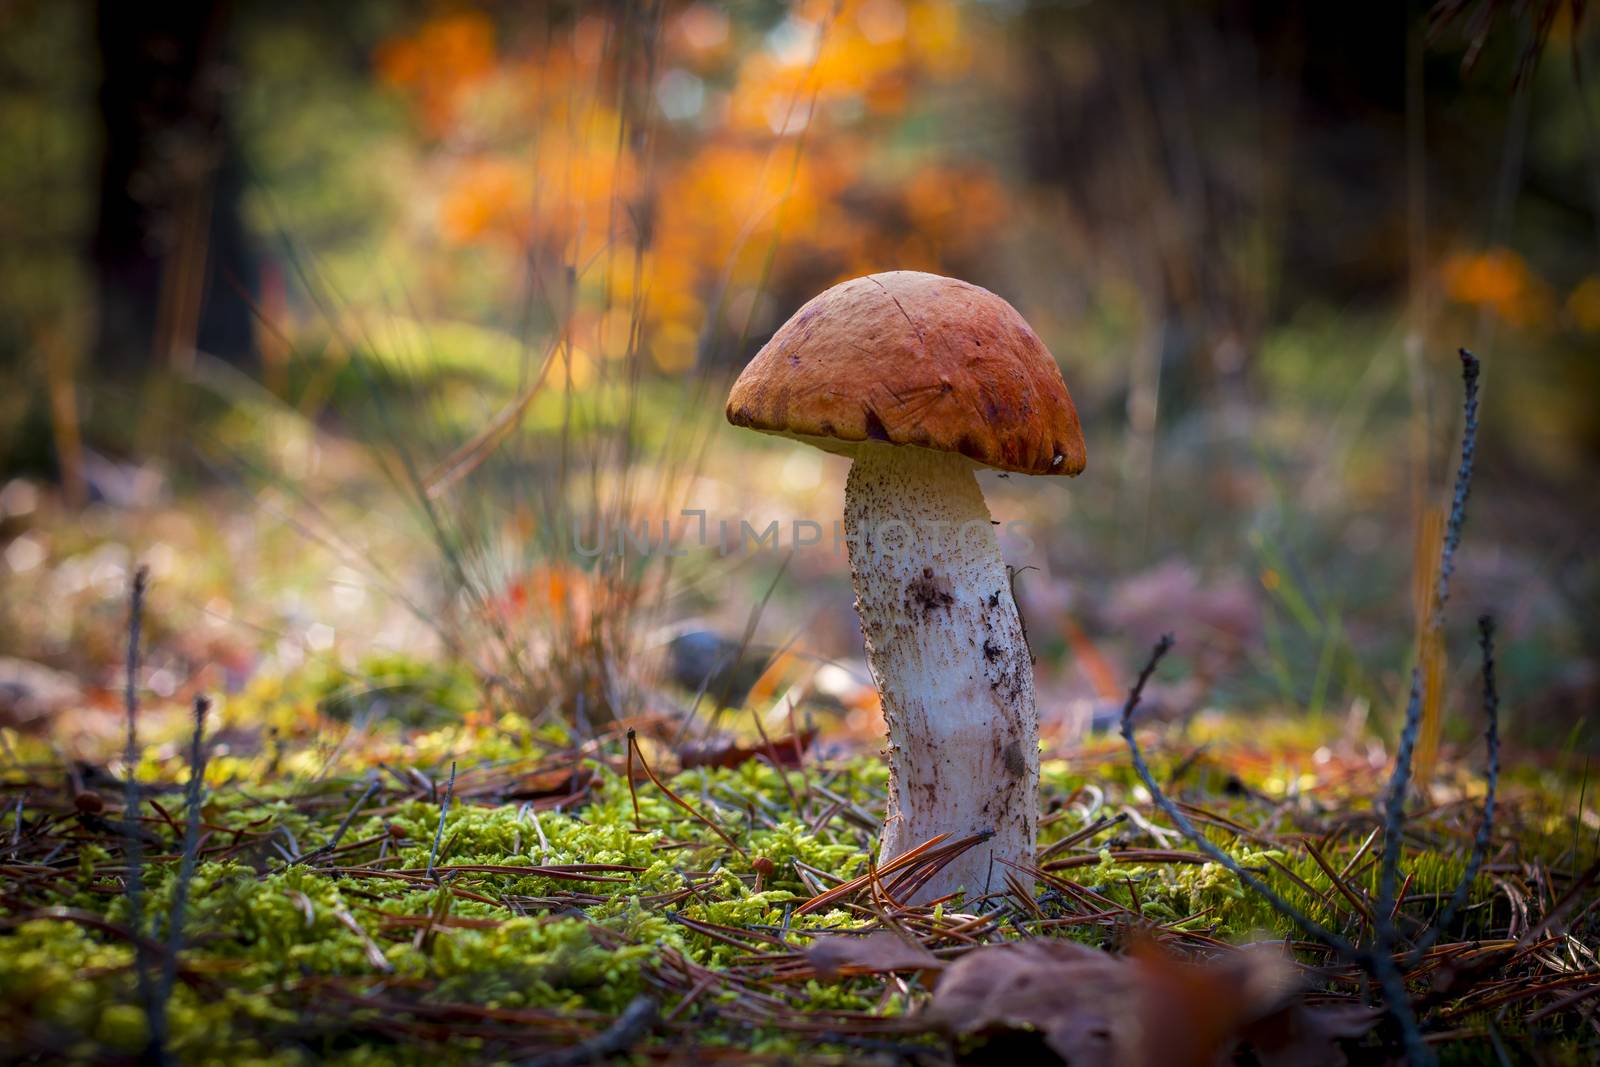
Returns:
<point x="356" y="322"/>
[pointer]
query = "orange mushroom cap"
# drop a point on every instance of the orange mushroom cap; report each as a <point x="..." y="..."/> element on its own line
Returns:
<point x="914" y="359"/>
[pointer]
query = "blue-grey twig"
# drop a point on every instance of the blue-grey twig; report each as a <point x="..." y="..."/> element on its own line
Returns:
<point x="1379" y="964"/>
<point x="195" y="794"/>
<point x="130" y="784"/>
<point x="1394" y="814"/>
<point x="133" y="844"/>
<point x="350" y="816"/>
<point x="444" y="809"/>
<point x="1480" y="843"/>
<point x="1458" y="500"/>
<point x="1306" y="924"/>
<point x="1394" y="811"/>
<point x="626" y="1031"/>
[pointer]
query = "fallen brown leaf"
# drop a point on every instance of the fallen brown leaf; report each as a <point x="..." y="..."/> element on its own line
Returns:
<point x="840" y="955"/>
<point x="1048" y="1001"/>
<point x="555" y="781"/>
<point x="786" y="752"/>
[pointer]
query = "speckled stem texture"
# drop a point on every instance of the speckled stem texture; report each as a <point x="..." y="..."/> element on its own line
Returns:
<point x="948" y="653"/>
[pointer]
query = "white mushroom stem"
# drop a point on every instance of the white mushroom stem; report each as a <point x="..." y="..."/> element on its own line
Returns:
<point x="947" y="650"/>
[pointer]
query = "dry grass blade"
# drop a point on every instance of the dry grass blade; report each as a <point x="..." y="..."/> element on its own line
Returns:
<point x="1128" y="855"/>
<point x="1345" y="889"/>
<point x="633" y="750"/>
<point x="471" y="455"/>
<point x="1429" y="640"/>
<point x="375" y="954"/>
<point x="918" y="864"/>
<point x="1101" y="824"/>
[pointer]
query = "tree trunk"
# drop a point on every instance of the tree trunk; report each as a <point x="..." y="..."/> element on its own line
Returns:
<point x="174" y="270"/>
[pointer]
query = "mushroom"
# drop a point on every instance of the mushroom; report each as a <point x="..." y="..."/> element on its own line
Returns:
<point x="922" y="379"/>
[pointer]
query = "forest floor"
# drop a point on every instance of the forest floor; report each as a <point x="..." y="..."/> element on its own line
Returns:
<point x="475" y="890"/>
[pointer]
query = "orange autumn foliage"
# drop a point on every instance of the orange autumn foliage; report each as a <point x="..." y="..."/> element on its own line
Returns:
<point x="753" y="139"/>
<point x="440" y="63"/>
<point x="1499" y="279"/>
